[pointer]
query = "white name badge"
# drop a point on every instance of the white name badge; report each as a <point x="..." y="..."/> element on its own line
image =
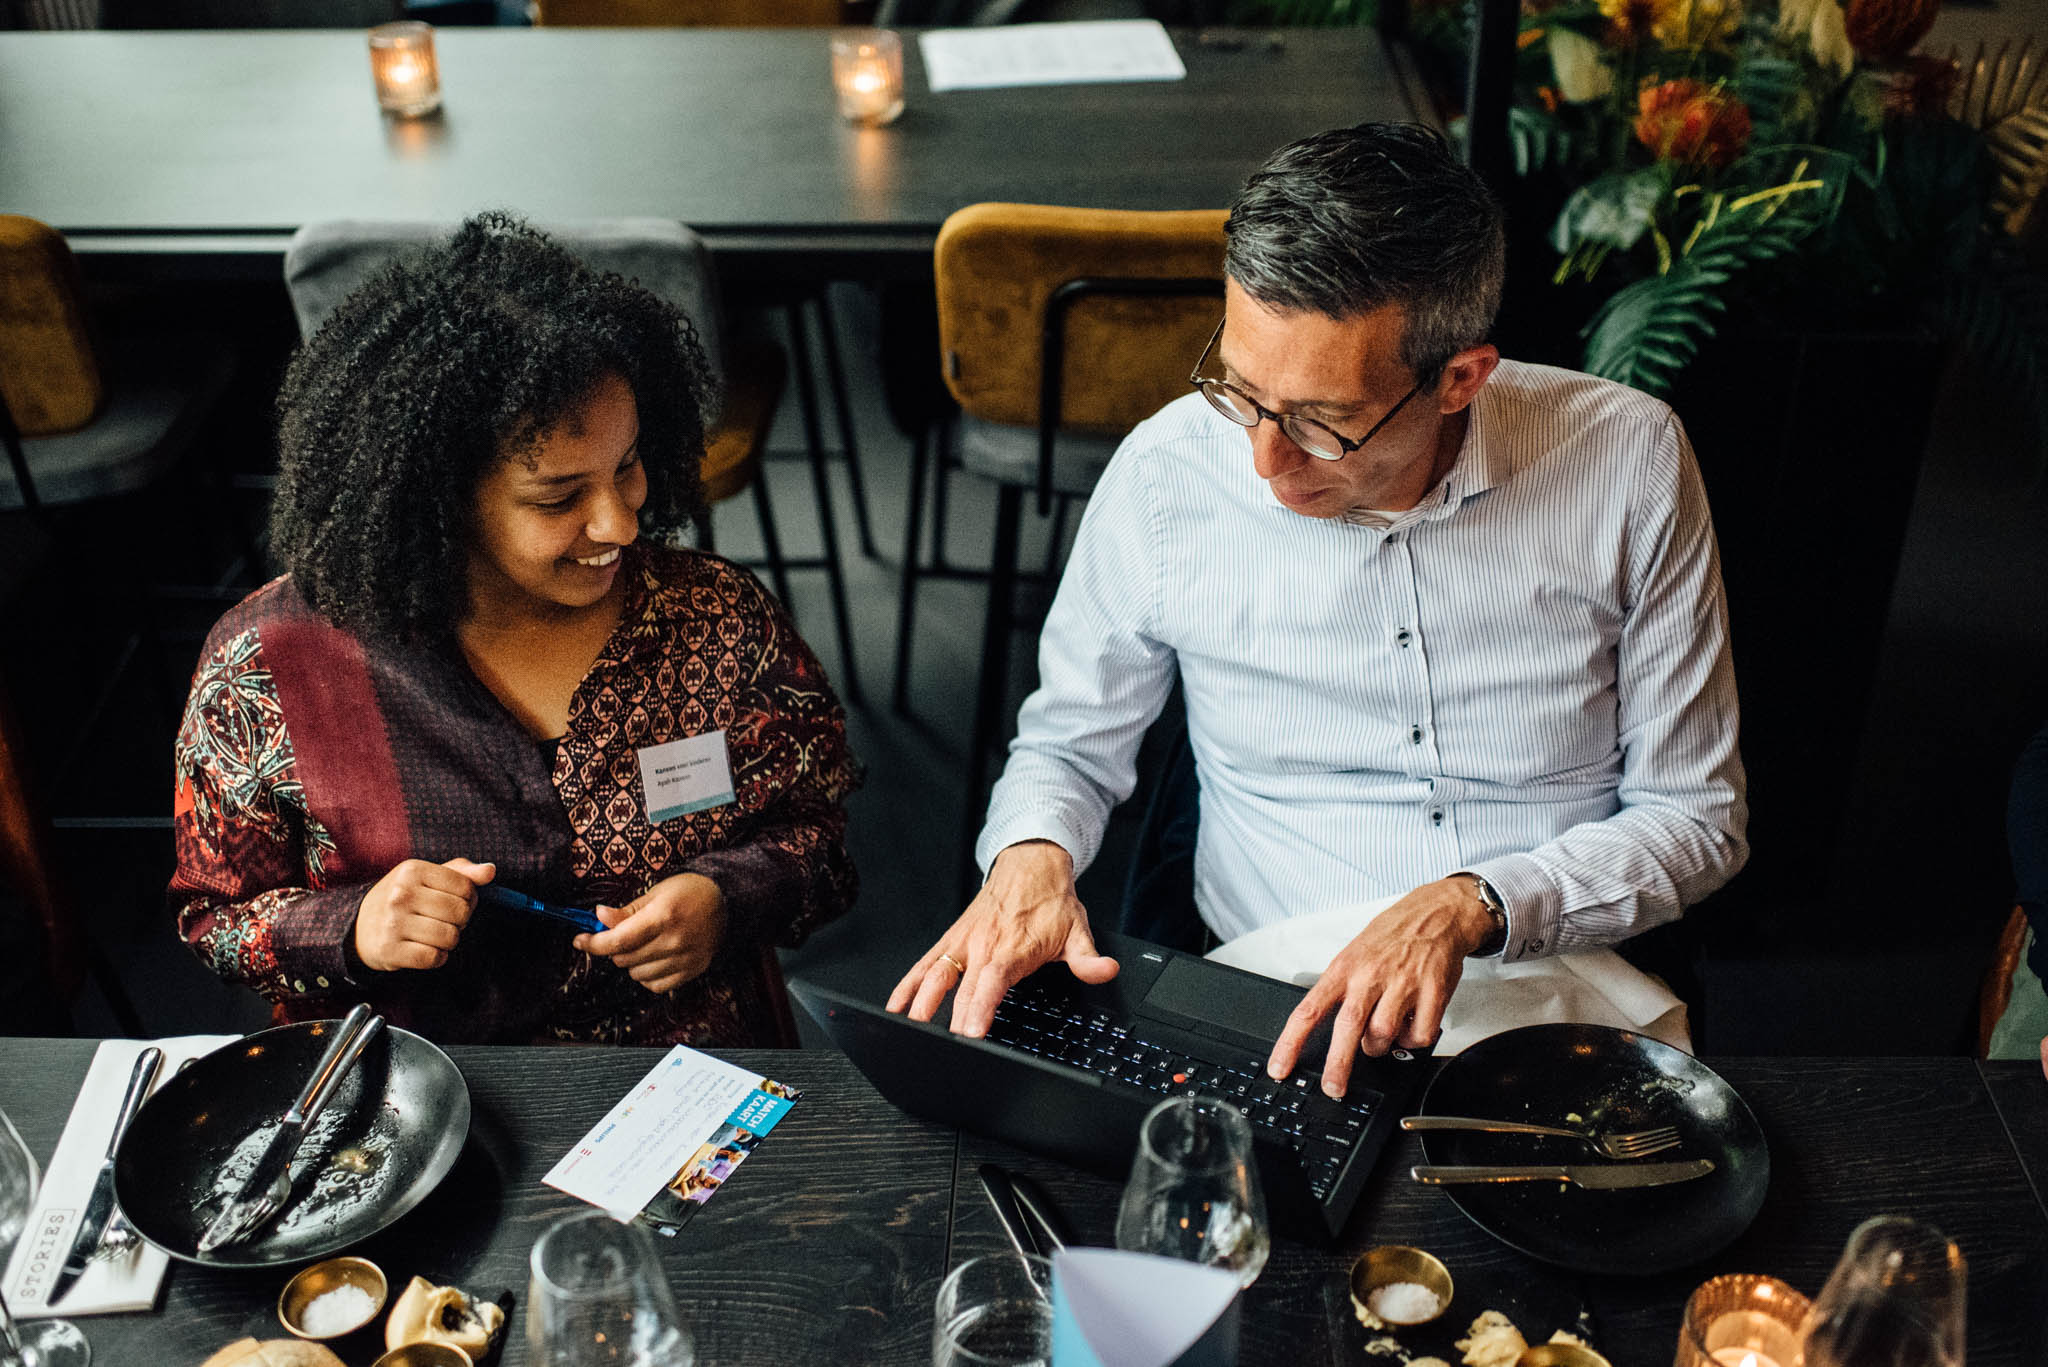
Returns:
<point x="685" y="776"/>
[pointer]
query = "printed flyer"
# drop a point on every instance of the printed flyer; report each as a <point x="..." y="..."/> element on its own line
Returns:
<point x="672" y="1141"/>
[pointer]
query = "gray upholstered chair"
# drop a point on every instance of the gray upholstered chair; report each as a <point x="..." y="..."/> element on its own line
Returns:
<point x="327" y="261"/>
<point x="80" y="421"/>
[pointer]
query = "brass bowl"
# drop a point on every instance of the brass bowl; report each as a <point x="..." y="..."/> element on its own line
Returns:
<point x="322" y="1277"/>
<point x="424" y="1355"/>
<point x="1560" y="1355"/>
<point x="1390" y="1263"/>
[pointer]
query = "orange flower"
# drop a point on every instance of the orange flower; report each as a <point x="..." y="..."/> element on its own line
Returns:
<point x="1886" y="30"/>
<point x="1687" y="121"/>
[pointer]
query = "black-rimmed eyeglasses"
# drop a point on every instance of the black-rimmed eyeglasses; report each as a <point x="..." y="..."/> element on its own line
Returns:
<point x="1310" y="435"/>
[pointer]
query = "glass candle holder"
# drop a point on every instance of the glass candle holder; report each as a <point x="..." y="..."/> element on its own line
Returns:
<point x="1741" y="1320"/>
<point x="867" y="73"/>
<point x="402" y="64"/>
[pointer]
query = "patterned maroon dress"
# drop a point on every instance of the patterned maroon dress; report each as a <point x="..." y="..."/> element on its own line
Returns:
<point x="310" y="763"/>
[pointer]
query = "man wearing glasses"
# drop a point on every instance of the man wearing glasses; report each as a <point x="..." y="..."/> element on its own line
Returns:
<point x="1448" y="626"/>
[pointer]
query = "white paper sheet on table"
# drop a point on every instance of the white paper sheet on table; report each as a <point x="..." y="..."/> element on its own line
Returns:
<point x="1596" y="987"/>
<point x="644" y="1140"/>
<point x="1112" y="1308"/>
<point x="112" y="1286"/>
<point x="1049" y="54"/>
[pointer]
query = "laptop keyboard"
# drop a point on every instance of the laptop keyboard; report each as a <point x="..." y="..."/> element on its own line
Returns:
<point x="1294" y="1114"/>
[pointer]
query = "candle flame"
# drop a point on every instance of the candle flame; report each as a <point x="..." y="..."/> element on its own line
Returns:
<point x="403" y="70"/>
<point x="867" y="82"/>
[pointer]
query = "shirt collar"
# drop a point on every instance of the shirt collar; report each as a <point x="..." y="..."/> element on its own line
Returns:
<point x="1481" y="464"/>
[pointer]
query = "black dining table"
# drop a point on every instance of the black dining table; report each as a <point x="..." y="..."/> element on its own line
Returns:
<point x="828" y="1246"/>
<point x="179" y="153"/>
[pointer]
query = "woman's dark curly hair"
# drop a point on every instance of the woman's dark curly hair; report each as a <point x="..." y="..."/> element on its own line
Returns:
<point x="443" y="363"/>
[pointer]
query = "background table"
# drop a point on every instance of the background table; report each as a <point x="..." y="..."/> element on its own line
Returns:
<point x="831" y="1243"/>
<point x="217" y="145"/>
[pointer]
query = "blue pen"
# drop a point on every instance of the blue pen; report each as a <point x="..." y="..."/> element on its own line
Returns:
<point x="492" y="895"/>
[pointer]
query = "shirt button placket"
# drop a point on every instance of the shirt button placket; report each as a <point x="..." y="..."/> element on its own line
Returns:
<point x="1413" y="663"/>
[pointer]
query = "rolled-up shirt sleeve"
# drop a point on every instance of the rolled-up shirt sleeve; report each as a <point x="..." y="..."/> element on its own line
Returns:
<point x="1679" y="833"/>
<point x="1103" y="678"/>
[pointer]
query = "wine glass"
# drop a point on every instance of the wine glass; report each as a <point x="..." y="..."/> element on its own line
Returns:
<point x="598" y="1295"/>
<point x="995" y="1311"/>
<point x="38" y="1343"/>
<point x="1193" y="1192"/>
<point x="1894" y="1300"/>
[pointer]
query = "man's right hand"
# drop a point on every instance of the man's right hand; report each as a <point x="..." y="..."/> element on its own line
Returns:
<point x="414" y="915"/>
<point x="1026" y="915"/>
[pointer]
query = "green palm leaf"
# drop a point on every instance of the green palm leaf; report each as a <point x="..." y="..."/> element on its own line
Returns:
<point x="1646" y="333"/>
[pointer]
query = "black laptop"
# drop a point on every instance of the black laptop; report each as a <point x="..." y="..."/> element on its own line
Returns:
<point x="1070" y="1070"/>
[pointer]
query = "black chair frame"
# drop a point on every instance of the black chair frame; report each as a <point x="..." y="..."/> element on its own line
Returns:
<point x="1001" y="617"/>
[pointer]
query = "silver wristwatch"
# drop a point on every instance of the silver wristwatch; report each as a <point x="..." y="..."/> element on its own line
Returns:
<point x="1496" y="939"/>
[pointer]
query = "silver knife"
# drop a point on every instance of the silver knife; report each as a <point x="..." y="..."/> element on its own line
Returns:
<point x="269" y="1183"/>
<point x="1597" y="1176"/>
<point x="100" y="1205"/>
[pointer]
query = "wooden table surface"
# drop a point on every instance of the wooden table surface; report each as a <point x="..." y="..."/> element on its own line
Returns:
<point x="188" y="144"/>
<point x="830" y="1245"/>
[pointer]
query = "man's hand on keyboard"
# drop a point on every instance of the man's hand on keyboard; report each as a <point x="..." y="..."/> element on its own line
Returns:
<point x="1026" y="915"/>
<point x="1390" y="985"/>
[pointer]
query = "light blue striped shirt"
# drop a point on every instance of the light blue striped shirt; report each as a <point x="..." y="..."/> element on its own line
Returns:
<point x="1526" y="675"/>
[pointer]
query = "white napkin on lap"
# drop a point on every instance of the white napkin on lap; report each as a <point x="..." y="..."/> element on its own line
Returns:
<point x="1595" y="987"/>
<point x="110" y="1286"/>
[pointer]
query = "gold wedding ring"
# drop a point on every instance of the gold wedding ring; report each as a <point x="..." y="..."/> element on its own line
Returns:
<point x="958" y="967"/>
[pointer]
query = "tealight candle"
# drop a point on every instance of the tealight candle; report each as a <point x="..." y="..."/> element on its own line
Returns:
<point x="1742" y="1320"/>
<point x="402" y="63"/>
<point x="867" y="73"/>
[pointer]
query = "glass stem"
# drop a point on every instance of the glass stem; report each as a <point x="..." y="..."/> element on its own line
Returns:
<point x="16" y="1355"/>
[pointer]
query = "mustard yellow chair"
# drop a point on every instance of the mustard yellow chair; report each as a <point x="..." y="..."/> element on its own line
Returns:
<point x="80" y="423"/>
<point x="1060" y="329"/>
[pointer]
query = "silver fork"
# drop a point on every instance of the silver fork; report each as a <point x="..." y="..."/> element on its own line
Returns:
<point x="120" y="1238"/>
<point x="1636" y="1144"/>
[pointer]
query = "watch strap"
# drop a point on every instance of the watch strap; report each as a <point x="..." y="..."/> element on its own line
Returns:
<point x="1496" y="939"/>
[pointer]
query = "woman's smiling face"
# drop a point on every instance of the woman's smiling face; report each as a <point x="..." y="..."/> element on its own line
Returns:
<point x="551" y="522"/>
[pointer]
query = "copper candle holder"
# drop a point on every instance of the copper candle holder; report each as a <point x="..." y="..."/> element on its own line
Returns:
<point x="1742" y="1320"/>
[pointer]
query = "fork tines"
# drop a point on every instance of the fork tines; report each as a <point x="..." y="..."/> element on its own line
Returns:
<point x="1643" y="1142"/>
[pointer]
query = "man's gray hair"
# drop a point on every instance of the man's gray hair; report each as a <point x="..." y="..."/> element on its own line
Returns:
<point x="1381" y="213"/>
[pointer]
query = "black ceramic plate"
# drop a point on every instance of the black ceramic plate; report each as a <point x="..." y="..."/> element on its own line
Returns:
<point x="1610" y="1080"/>
<point x="395" y="1126"/>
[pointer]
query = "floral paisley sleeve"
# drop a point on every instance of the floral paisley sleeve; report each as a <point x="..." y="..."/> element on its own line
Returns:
<point x="249" y="889"/>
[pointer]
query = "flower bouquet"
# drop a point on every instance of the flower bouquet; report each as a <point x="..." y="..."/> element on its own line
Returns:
<point x="1798" y="163"/>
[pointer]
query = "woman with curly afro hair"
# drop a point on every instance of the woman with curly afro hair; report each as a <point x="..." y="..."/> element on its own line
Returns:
<point x="487" y="669"/>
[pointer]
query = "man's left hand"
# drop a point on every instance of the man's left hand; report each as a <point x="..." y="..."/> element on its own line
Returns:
<point x="1390" y="985"/>
<point x="665" y="937"/>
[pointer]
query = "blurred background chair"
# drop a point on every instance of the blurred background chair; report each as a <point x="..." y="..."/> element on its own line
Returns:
<point x="1060" y="329"/>
<point x="88" y="430"/>
<point x="326" y="262"/>
<point x="80" y="423"/>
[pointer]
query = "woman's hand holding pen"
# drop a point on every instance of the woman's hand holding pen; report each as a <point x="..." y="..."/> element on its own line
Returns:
<point x="667" y="936"/>
<point x="413" y="916"/>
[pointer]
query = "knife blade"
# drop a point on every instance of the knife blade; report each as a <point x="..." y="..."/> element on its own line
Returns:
<point x="99" y="1207"/>
<point x="257" y="1199"/>
<point x="1594" y="1176"/>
